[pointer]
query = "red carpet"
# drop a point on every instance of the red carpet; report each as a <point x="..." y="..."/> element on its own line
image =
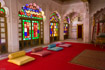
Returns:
<point x="55" y="61"/>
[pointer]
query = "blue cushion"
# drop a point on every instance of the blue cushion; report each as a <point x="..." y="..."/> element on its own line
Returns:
<point x="51" y="45"/>
<point x="55" y="48"/>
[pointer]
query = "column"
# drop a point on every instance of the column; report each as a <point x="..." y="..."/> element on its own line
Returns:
<point x="13" y="42"/>
<point x="61" y="29"/>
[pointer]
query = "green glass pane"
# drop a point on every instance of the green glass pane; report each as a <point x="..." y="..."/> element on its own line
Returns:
<point x="26" y="38"/>
<point x="22" y="10"/>
<point x="30" y="32"/>
<point x="19" y="15"/>
<point x="23" y="36"/>
<point x="3" y="11"/>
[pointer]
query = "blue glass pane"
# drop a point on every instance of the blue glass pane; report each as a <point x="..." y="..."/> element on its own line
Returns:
<point x="25" y="33"/>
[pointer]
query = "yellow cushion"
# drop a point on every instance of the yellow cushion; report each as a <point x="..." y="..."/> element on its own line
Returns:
<point x="21" y="60"/>
<point x="16" y="54"/>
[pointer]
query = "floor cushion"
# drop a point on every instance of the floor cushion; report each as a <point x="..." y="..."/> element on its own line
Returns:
<point x="14" y="55"/>
<point x="55" y="48"/>
<point x="51" y="45"/>
<point x="65" y="45"/>
<point x="21" y="60"/>
<point x="42" y="53"/>
<point x="37" y="49"/>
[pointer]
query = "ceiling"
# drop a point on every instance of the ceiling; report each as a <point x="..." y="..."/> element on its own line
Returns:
<point x="69" y="1"/>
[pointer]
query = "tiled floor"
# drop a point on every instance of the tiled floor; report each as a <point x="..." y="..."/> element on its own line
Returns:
<point x="3" y="56"/>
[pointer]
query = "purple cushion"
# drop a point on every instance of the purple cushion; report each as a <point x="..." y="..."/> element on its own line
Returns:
<point x="42" y="53"/>
<point x="65" y="45"/>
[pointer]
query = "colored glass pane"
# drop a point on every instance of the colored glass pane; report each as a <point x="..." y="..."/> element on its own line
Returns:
<point x="2" y="11"/>
<point x="54" y="17"/>
<point x="31" y="11"/>
<point x="26" y="30"/>
<point x="53" y="29"/>
<point x="65" y="29"/>
<point x="35" y="29"/>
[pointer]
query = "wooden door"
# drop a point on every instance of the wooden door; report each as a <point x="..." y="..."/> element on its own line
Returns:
<point x="79" y="31"/>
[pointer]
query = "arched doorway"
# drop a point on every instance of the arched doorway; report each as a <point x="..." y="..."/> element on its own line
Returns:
<point x="31" y="28"/>
<point x="3" y="31"/>
<point x="66" y="27"/>
<point x="54" y="27"/>
<point x="76" y="26"/>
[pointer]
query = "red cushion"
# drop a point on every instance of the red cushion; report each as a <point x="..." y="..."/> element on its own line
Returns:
<point x="37" y="49"/>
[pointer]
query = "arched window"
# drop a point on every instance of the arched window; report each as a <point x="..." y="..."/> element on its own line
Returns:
<point x="31" y="25"/>
<point x="66" y="27"/>
<point x="54" y="27"/>
<point x="3" y="31"/>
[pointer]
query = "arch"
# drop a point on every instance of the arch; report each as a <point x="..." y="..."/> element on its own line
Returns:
<point x="3" y="31"/>
<point x="31" y="29"/>
<point x="54" y="26"/>
<point x="75" y="18"/>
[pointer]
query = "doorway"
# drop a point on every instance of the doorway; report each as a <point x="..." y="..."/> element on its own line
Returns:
<point x="80" y="31"/>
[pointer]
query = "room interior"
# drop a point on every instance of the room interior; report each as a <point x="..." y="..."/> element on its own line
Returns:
<point x="68" y="34"/>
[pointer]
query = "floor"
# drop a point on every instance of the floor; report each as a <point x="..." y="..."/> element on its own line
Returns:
<point x="4" y="56"/>
<point x="56" y="61"/>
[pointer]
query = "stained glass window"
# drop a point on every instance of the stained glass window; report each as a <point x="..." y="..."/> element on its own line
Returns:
<point x="31" y="11"/>
<point x="3" y="31"/>
<point x="35" y="29"/>
<point x="31" y="25"/>
<point x="54" y="20"/>
<point x="65" y="29"/>
<point x="66" y="25"/>
<point x="2" y="11"/>
<point x="26" y="30"/>
<point x="55" y="17"/>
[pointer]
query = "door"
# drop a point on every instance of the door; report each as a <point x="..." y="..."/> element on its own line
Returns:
<point x="79" y="31"/>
